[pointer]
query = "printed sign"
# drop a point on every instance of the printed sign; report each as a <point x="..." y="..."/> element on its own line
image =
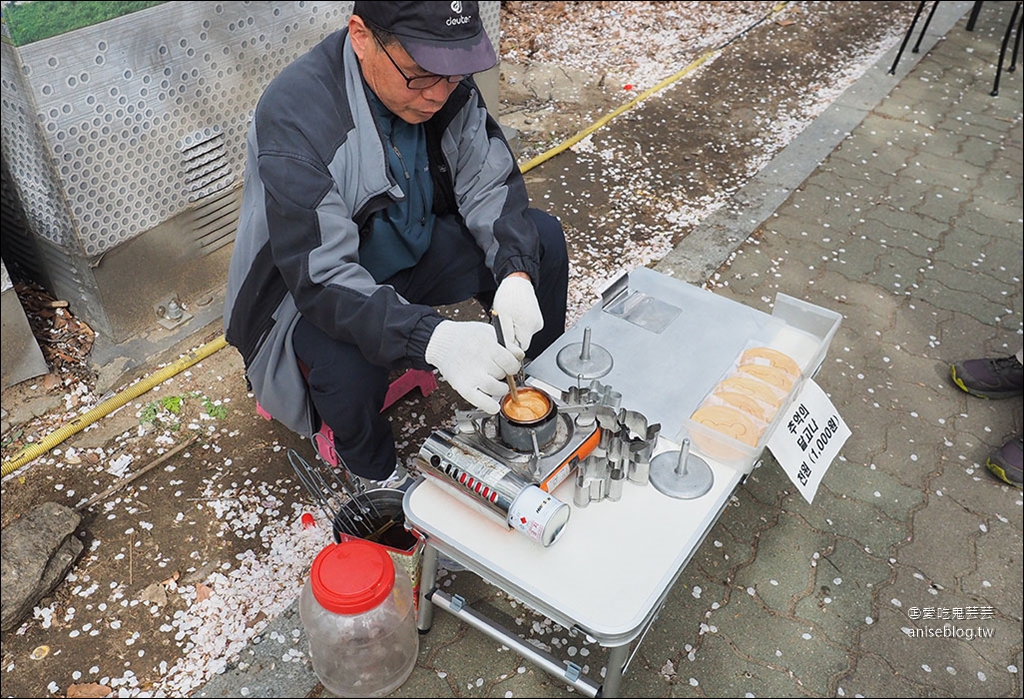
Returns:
<point x="809" y="438"/>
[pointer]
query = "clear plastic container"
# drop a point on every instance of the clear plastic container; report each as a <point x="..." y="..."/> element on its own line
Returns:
<point x="804" y="335"/>
<point x="358" y="612"/>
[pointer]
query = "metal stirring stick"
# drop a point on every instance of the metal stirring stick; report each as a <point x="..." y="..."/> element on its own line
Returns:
<point x="512" y="390"/>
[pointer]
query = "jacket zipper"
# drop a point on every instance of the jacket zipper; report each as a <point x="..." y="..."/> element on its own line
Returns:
<point x="401" y="160"/>
<point x="405" y="171"/>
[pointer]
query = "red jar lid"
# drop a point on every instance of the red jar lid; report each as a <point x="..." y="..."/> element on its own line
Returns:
<point x="352" y="577"/>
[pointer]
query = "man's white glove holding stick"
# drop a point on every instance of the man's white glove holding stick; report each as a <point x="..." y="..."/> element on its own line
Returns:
<point x="468" y="354"/>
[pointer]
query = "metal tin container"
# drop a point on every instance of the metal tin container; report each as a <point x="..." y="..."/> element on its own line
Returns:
<point x="519" y="431"/>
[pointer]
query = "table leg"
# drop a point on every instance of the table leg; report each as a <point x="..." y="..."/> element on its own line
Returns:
<point x="560" y="669"/>
<point x="428" y="580"/>
<point x="617" y="656"/>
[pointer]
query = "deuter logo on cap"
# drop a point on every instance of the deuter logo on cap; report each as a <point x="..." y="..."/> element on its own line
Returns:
<point x="461" y="19"/>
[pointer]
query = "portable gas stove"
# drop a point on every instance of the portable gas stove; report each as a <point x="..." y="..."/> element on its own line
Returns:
<point x="546" y="464"/>
<point x="488" y="465"/>
<point x="575" y="435"/>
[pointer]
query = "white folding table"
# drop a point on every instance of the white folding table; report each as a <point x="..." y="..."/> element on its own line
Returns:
<point x="616" y="561"/>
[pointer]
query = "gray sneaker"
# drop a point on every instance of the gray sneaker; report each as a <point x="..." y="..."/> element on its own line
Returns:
<point x="400" y="479"/>
<point x="999" y="377"/>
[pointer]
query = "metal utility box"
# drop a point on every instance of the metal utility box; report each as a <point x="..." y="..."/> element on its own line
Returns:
<point x="125" y="144"/>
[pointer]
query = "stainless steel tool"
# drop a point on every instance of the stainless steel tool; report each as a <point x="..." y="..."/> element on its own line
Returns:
<point x="512" y="391"/>
<point x="624" y="453"/>
<point x="585" y="360"/>
<point x="680" y="474"/>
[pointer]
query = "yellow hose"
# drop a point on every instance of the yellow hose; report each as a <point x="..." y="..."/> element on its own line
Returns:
<point x="565" y="145"/>
<point x="108" y="406"/>
<point x="37" y="449"/>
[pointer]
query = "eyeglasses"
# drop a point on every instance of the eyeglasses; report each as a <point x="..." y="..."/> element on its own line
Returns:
<point x="418" y="82"/>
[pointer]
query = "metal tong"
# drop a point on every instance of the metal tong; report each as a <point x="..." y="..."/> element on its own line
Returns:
<point x="340" y="502"/>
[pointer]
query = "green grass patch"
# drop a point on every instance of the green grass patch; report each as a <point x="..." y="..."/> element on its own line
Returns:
<point x="33" y="21"/>
<point x="166" y="412"/>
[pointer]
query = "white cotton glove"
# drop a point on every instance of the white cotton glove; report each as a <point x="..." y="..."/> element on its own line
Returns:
<point x="470" y="359"/>
<point x="515" y="304"/>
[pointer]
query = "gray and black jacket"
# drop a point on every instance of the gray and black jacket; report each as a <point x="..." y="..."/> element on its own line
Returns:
<point x="315" y="174"/>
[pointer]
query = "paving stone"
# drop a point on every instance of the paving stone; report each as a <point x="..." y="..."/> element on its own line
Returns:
<point x="966" y="480"/>
<point x="846" y="518"/>
<point x="722" y="552"/>
<point x="932" y="550"/>
<point x="915" y="328"/>
<point x="874" y="676"/>
<point x="998" y="184"/>
<point x="988" y="219"/>
<point x="779" y="641"/>
<point x="733" y="675"/>
<point x="843" y="600"/>
<point x="998" y="548"/>
<point x="790" y="575"/>
<point x="986" y="307"/>
<point x="966" y="657"/>
<point x="969" y="337"/>
<point x="747" y="516"/>
<point x="875" y="488"/>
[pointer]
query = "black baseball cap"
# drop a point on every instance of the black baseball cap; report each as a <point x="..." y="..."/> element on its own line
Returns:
<point x="444" y="38"/>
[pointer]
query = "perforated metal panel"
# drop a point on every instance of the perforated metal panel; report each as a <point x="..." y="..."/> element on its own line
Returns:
<point x="146" y="114"/>
<point x="28" y="158"/>
<point x="490" y="15"/>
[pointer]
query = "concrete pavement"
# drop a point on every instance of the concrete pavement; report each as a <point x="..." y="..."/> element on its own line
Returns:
<point x="902" y="208"/>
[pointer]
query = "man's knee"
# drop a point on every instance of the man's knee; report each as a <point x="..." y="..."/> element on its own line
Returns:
<point x="549" y="227"/>
<point x="554" y="252"/>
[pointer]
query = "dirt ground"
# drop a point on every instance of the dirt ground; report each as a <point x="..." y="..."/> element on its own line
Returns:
<point x="184" y="564"/>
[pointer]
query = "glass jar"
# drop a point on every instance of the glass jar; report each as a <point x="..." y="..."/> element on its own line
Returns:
<point x="358" y="613"/>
